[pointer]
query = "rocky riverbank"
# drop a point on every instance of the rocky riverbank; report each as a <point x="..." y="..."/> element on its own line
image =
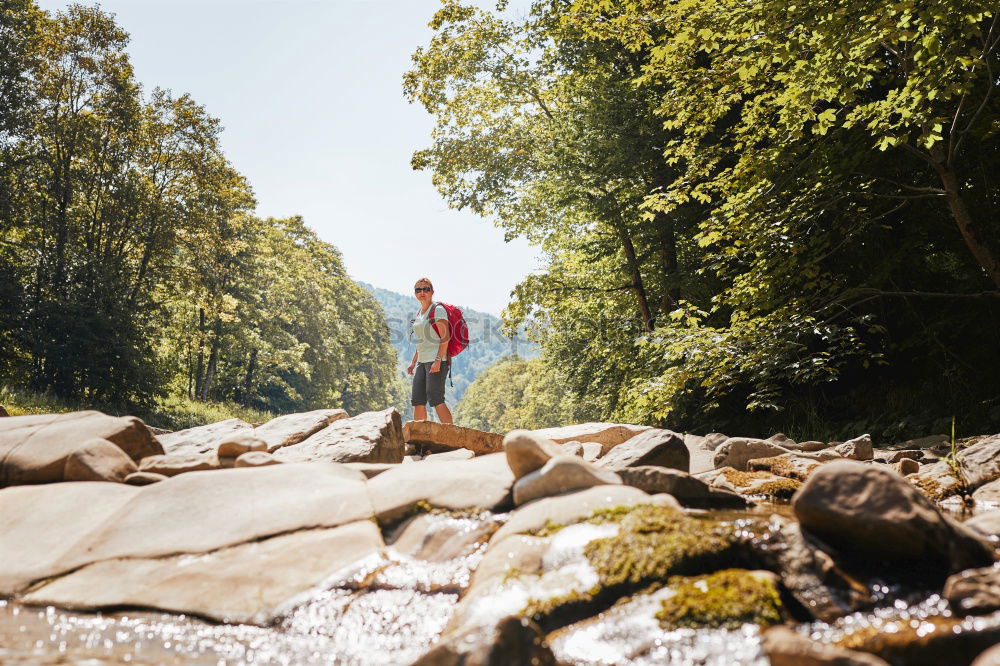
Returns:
<point x="323" y="536"/>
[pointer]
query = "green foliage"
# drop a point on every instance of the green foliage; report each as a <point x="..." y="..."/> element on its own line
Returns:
<point x="517" y="393"/>
<point x="755" y="215"/>
<point x="131" y="264"/>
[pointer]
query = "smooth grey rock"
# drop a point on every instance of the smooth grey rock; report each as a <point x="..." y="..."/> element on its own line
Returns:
<point x="98" y="460"/>
<point x="202" y="439"/>
<point x="256" y="459"/>
<point x="688" y="490"/>
<point x="608" y="435"/>
<point x="172" y="464"/>
<point x="527" y="451"/>
<point x="988" y="493"/>
<point x="872" y="512"/>
<point x="859" y="448"/>
<point x="236" y="445"/>
<point x="987" y="524"/>
<point x="736" y="452"/>
<point x="561" y="474"/>
<point x="974" y="591"/>
<point x="981" y="462"/>
<point x="911" y="454"/>
<point x="905" y="466"/>
<point x="457" y="454"/>
<point x="481" y="483"/>
<point x="144" y="478"/>
<point x="374" y="437"/>
<point x="662" y="448"/>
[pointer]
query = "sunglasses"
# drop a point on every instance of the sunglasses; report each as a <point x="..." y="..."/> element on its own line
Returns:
<point x="417" y="290"/>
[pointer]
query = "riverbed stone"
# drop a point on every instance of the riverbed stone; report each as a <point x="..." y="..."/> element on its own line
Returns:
<point x="202" y="439"/>
<point x="291" y="429"/>
<point x="663" y="448"/>
<point x="561" y="474"/>
<point x="980" y="462"/>
<point x="481" y="483"/>
<point x="512" y="640"/>
<point x="98" y="460"/>
<point x="172" y="464"/>
<point x="859" y="448"/>
<point x="872" y="512"/>
<point x="905" y="466"/>
<point x="236" y="445"/>
<point x="443" y="436"/>
<point x="786" y="647"/>
<point x="752" y="484"/>
<point x="528" y="451"/>
<point x="987" y="523"/>
<point x="371" y="470"/>
<point x="144" y="478"/>
<point x="736" y="452"/>
<point x="936" y="481"/>
<point x="608" y="435"/>
<point x="688" y="490"/>
<point x="375" y="437"/>
<point x="457" y="454"/>
<point x="249" y="583"/>
<point x="572" y="507"/>
<point x="896" y="456"/>
<point x="973" y="591"/>
<point x="256" y="459"/>
<point x="573" y="448"/>
<point x="988" y="494"/>
<point x="790" y="465"/>
<point x="990" y="657"/>
<point x="34" y="449"/>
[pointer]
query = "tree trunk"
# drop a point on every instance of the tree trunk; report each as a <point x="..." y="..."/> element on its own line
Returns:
<point x="670" y="296"/>
<point x="637" y="284"/>
<point x="980" y="250"/>
<point x="248" y="380"/>
<point x="213" y="361"/>
<point x="199" y="378"/>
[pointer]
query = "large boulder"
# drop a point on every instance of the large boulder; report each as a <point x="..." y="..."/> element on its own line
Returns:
<point x="49" y="530"/>
<point x="98" y="460"/>
<point x="871" y="512"/>
<point x="937" y="481"/>
<point x="981" y="462"/>
<point x="736" y="452"/>
<point x="375" y="437"/>
<point x="561" y="474"/>
<point x="202" y="439"/>
<point x="608" y="435"/>
<point x="527" y="451"/>
<point x="293" y="428"/>
<point x="34" y="449"/>
<point x="435" y="435"/>
<point x="250" y="583"/>
<point x="662" y="448"/>
<point x="481" y="483"/>
<point x="688" y="490"/>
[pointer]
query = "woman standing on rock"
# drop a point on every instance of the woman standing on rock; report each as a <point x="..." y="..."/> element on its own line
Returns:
<point x="431" y="356"/>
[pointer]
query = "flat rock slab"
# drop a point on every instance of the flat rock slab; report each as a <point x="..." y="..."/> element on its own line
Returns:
<point x="172" y="464"/>
<point x="203" y="439"/>
<point x="373" y="437"/>
<point x="981" y="461"/>
<point x="293" y="428"/>
<point x="42" y="525"/>
<point x="34" y="449"/>
<point x="251" y="583"/>
<point x="449" y="436"/>
<point x="196" y="512"/>
<point x="608" y="435"/>
<point x="481" y="483"/>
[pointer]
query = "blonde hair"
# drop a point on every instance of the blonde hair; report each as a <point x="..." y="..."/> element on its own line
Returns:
<point x="427" y="280"/>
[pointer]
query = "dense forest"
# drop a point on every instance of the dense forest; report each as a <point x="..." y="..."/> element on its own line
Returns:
<point x="756" y="216"/>
<point x="487" y="342"/>
<point x="132" y="266"/>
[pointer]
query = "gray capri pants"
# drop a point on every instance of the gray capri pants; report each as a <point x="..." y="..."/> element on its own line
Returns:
<point x="428" y="385"/>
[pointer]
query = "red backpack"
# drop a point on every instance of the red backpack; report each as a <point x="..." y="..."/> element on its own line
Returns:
<point x="456" y="326"/>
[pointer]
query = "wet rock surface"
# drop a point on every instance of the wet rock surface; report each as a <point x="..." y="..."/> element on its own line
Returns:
<point x="532" y="555"/>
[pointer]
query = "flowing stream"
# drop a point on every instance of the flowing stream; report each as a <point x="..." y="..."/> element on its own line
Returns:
<point x="389" y="608"/>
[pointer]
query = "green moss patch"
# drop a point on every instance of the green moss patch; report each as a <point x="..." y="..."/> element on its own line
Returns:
<point x="652" y="543"/>
<point x="762" y="483"/>
<point x="725" y="599"/>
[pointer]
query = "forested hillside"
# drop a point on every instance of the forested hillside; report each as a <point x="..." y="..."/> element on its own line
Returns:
<point x="132" y="265"/>
<point x="757" y="216"/>
<point x="487" y="345"/>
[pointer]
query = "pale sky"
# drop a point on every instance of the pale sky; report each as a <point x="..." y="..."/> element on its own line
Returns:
<point x="310" y="95"/>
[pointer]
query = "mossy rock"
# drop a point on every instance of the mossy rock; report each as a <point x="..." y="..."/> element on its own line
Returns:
<point x="725" y="599"/>
<point x="652" y="544"/>
<point x="930" y="642"/>
<point x="766" y="484"/>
